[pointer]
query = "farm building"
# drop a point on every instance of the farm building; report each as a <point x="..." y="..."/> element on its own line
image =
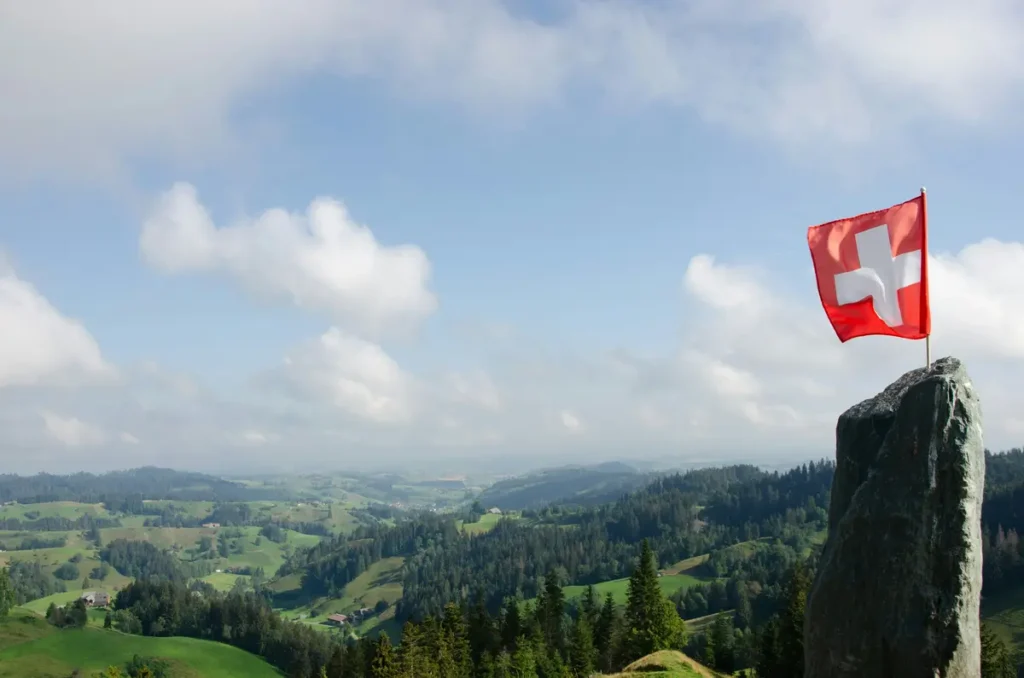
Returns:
<point x="211" y="524"/>
<point x="337" y="619"/>
<point x="495" y="510"/>
<point x="96" y="598"/>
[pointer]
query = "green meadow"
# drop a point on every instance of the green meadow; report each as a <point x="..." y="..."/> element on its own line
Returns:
<point x="31" y="648"/>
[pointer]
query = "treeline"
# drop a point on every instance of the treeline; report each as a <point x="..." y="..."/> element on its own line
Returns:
<point x="143" y="560"/>
<point x="590" y="546"/>
<point x="57" y="524"/>
<point x="33" y="542"/>
<point x="149" y="482"/>
<point x="31" y="582"/>
<point x="327" y="567"/>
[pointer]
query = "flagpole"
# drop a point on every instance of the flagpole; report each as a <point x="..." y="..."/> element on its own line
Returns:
<point x="924" y="279"/>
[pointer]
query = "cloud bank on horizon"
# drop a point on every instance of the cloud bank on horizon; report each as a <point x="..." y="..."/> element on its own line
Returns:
<point x="756" y="371"/>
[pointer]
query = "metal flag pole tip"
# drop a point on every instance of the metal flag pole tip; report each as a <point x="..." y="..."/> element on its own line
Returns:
<point x="928" y="337"/>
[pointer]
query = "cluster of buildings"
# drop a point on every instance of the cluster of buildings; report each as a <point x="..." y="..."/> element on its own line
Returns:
<point x="355" y="618"/>
<point x="96" y="598"/>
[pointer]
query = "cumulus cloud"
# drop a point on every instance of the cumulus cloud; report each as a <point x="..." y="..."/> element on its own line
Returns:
<point x="72" y="431"/>
<point x="570" y="421"/>
<point x="353" y="375"/>
<point x="38" y="344"/>
<point x="776" y="361"/>
<point x="804" y="71"/>
<point x="321" y="261"/>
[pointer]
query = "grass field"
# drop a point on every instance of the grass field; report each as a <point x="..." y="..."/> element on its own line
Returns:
<point x="670" y="583"/>
<point x="666" y="664"/>
<point x="486" y="523"/>
<point x="224" y="581"/>
<point x="382" y="581"/>
<point x="30" y="648"/>
<point x="54" y="509"/>
<point x="1005" y="614"/>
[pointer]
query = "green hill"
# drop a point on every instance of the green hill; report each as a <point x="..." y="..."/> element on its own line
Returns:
<point x="31" y="648"/>
<point x="666" y="664"/>
<point x="582" y="485"/>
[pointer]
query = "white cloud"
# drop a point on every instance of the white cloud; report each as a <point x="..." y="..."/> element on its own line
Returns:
<point x="807" y="71"/>
<point x="475" y="388"/>
<point x="322" y="261"/>
<point x="128" y="438"/>
<point x="71" y="431"/>
<point x="37" y="343"/>
<point x="353" y="375"/>
<point x="570" y="421"/>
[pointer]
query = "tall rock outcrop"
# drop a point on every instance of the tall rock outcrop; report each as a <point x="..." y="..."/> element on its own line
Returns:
<point x="898" y="588"/>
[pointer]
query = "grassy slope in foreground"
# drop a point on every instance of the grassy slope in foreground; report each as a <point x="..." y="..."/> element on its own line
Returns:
<point x="666" y="664"/>
<point x="1004" y="612"/>
<point x="31" y="648"/>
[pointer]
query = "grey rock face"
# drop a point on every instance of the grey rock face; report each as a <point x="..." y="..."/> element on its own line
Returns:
<point x="898" y="588"/>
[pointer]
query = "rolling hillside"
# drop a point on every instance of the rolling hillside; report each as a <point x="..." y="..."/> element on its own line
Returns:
<point x="581" y="485"/>
<point x="31" y="648"/>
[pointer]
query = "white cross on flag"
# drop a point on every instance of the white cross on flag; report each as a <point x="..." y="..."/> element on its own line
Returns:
<point x="872" y="272"/>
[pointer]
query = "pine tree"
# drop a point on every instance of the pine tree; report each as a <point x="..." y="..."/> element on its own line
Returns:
<point x="791" y="621"/>
<point x="511" y="625"/>
<point x="651" y="621"/>
<point x="721" y="638"/>
<point x="768" y="661"/>
<point x="523" y="664"/>
<point x="6" y="593"/>
<point x="589" y="607"/>
<point x="336" y="665"/>
<point x="483" y="636"/>
<point x="385" y="662"/>
<point x="996" y="661"/>
<point x="605" y="632"/>
<point x="453" y="625"/>
<point x="550" y="614"/>
<point x="581" y="648"/>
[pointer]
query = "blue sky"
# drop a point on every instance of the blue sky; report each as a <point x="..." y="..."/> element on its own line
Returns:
<point x="607" y="201"/>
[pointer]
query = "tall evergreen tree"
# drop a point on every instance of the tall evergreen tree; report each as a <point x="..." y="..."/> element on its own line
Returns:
<point x="6" y="593"/>
<point x="996" y="660"/>
<point x="456" y="635"/>
<point x="605" y="634"/>
<point x="589" y="607"/>
<point x="791" y="621"/>
<point x="511" y="625"/>
<point x="550" y="615"/>
<point x="582" y="655"/>
<point x="385" y="661"/>
<point x="483" y="636"/>
<point x="769" y="653"/>
<point x="652" y="623"/>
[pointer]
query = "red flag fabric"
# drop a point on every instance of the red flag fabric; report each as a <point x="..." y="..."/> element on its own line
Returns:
<point x="872" y="272"/>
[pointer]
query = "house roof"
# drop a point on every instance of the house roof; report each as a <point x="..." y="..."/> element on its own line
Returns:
<point x="338" y="617"/>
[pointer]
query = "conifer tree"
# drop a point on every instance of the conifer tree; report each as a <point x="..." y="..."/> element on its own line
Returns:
<point x="589" y="606"/>
<point x="483" y="636"/>
<point x="385" y="662"/>
<point x="996" y="661"/>
<point x="453" y="626"/>
<point x="550" y="614"/>
<point x="768" y="661"/>
<point x="791" y="621"/>
<point x="581" y="648"/>
<point x="605" y="634"/>
<point x="523" y="664"/>
<point x="511" y="625"/>
<point x="652" y="623"/>
<point x="6" y="593"/>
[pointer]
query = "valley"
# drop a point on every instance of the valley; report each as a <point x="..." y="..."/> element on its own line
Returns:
<point x="351" y="564"/>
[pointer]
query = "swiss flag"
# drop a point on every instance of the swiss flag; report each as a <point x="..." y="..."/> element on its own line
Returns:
<point x="872" y="272"/>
